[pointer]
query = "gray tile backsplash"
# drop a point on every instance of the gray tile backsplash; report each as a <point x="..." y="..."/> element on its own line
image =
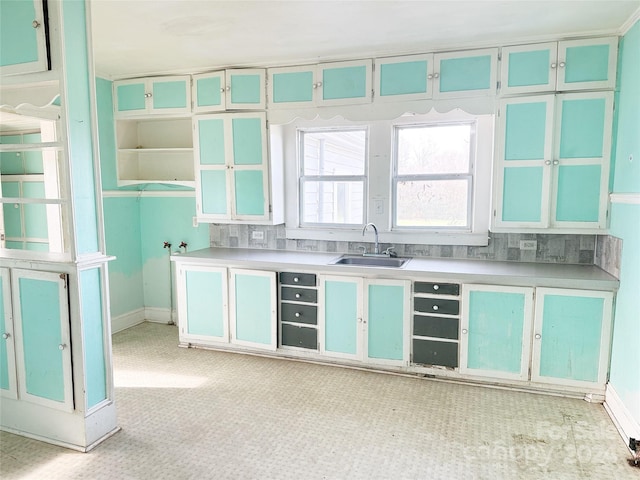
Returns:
<point x="567" y="249"/>
<point x="608" y="254"/>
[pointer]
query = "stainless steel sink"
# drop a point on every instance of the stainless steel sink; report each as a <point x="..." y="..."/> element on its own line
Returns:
<point x="366" y="261"/>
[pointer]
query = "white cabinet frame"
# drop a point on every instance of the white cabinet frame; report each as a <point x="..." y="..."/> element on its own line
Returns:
<point x="9" y="341"/>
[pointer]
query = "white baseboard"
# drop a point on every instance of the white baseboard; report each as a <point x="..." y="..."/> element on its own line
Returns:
<point x="127" y="320"/>
<point x="158" y="315"/>
<point x="627" y="426"/>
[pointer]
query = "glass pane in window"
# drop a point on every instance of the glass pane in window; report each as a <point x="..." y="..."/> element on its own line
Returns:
<point x="333" y="202"/>
<point x="334" y="152"/>
<point x="433" y="203"/>
<point x="434" y="149"/>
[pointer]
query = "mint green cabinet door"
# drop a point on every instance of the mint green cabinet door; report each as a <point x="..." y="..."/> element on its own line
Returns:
<point x="211" y="152"/>
<point x="252" y="300"/>
<point x="524" y="161"/>
<point x="571" y="337"/>
<point x="292" y="86"/>
<point x="245" y="89"/>
<point x="43" y="346"/>
<point x="171" y="95"/>
<point x="341" y="317"/>
<point x="8" y="386"/>
<point x="11" y="163"/>
<point x="582" y="157"/>
<point x="469" y="73"/>
<point x="496" y="331"/>
<point x="529" y="68"/>
<point x="209" y="92"/>
<point x="587" y="64"/>
<point x="130" y="96"/>
<point x="403" y="78"/>
<point x="387" y="321"/>
<point x="345" y="83"/>
<point x="22" y="47"/>
<point x="202" y="304"/>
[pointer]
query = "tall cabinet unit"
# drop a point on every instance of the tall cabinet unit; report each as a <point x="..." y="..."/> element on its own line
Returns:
<point x="55" y="359"/>
<point x="553" y="161"/>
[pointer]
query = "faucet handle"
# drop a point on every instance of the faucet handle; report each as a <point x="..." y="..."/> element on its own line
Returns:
<point x="390" y="251"/>
<point x="363" y="248"/>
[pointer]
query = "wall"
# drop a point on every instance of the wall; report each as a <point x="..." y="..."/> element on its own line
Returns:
<point x="625" y="225"/>
<point x="138" y="220"/>
<point x="570" y="249"/>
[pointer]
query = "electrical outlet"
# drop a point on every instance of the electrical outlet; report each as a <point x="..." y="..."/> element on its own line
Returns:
<point x="257" y="235"/>
<point x="528" y="245"/>
<point x="194" y="221"/>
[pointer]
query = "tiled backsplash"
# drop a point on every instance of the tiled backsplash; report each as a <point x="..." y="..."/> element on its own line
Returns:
<point x="608" y="254"/>
<point x="568" y="249"/>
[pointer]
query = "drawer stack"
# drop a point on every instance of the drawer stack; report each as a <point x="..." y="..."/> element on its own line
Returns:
<point x="298" y="310"/>
<point x="436" y="319"/>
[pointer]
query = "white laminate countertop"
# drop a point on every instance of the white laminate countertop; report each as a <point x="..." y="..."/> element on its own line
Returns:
<point x="587" y="277"/>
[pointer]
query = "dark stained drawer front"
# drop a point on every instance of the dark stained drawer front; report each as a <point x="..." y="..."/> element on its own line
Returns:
<point x="303" y="337"/>
<point x="428" y="352"/>
<point x="436" y="305"/>
<point x="438" y="327"/>
<point x="304" y="279"/>
<point x="437" y="288"/>
<point x="290" y="312"/>
<point x="309" y="295"/>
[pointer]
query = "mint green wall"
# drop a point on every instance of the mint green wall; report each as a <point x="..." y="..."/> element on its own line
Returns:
<point x="166" y="219"/>
<point x="625" y="224"/>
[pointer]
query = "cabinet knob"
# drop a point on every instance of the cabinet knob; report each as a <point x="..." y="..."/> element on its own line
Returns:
<point x="5" y="335"/>
<point x="298" y="295"/>
<point x="35" y="24"/>
<point x="547" y="162"/>
<point x="556" y="162"/>
<point x="319" y="84"/>
<point x="228" y="87"/>
<point x="562" y="64"/>
<point x="538" y="336"/>
<point x="553" y="65"/>
<point x="436" y="287"/>
<point x="315" y="85"/>
<point x="62" y="346"/>
<point x="297" y="314"/>
<point x="435" y="307"/>
<point x="464" y="330"/>
<point x="147" y="95"/>
<point x="222" y="90"/>
<point x="296" y="279"/>
<point x="430" y="76"/>
<point x="436" y="75"/>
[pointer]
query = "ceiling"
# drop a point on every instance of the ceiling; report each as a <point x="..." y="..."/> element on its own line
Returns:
<point x="145" y="37"/>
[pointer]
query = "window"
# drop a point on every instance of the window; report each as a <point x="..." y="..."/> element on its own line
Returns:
<point x="433" y="179"/>
<point x="333" y="165"/>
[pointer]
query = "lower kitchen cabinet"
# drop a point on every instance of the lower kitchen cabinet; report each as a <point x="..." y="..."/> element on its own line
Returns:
<point x="365" y="319"/>
<point x="202" y="304"/>
<point x="572" y="335"/>
<point x="253" y="306"/>
<point x="496" y="331"/>
<point x="8" y="383"/>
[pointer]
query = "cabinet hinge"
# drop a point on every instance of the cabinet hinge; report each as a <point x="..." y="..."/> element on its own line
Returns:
<point x="270" y="209"/>
<point x="499" y="55"/>
<point x="494" y="212"/>
<point x="63" y="277"/>
<point x="498" y="85"/>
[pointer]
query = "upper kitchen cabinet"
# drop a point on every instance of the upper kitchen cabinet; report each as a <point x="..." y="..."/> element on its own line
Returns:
<point x="153" y="95"/>
<point x="403" y="78"/>
<point x="562" y="66"/>
<point x="23" y="37"/>
<point x="234" y="89"/>
<point x="553" y="155"/>
<point x="233" y="170"/>
<point x="339" y="83"/>
<point x="469" y="73"/>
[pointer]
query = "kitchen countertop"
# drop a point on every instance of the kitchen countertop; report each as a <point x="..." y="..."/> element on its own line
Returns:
<point x="588" y="277"/>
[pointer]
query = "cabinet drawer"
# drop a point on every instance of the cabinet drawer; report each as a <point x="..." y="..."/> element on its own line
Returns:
<point x="303" y="337"/>
<point x="430" y="352"/>
<point x="304" y="279"/>
<point x="290" y="312"/>
<point x="436" y="305"/>
<point x="308" y="295"/>
<point x="437" y="288"/>
<point x="438" y="327"/>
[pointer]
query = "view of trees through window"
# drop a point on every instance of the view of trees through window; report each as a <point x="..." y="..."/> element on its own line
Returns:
<point x="433" y="175"/>
<point x="332" y="181"/>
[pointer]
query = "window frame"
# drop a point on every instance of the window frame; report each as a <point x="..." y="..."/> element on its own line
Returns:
<point x="469" y="176"/>
<point x="302" y="178"/>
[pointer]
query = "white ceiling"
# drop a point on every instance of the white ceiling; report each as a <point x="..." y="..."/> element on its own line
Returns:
<point x="144" y="37"/>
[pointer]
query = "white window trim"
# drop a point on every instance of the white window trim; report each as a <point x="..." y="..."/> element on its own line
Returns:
<point x="379" y="171"/>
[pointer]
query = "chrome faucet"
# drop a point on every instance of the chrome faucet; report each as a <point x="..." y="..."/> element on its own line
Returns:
<point x="376" y="247"/>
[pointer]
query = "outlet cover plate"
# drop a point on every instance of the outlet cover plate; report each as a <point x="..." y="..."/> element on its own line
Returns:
<point x="257" y="235"/>
<point x="528" y="245"/>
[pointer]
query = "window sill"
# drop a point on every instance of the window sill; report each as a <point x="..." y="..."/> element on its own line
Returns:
<point x="398" y="237"/>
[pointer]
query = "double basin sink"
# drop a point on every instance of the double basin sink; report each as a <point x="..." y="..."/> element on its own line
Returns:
<point x="370" y="261"/>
